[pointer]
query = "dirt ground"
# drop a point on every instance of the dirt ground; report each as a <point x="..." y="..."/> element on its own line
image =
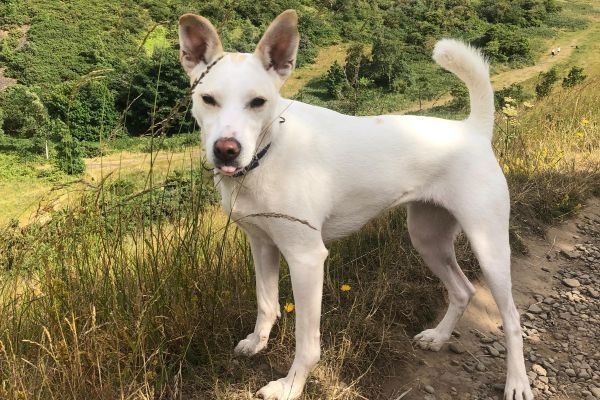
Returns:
<point x="557" y="291"/>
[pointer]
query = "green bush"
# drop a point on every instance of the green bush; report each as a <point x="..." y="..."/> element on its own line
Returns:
<point x="574" y="77"/>
<point x="547" y="80"/>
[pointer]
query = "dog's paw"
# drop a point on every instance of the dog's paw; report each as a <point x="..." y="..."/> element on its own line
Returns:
<point x="517" y="388"/>
<point x="280" y="389"/>
<point x="431" y="339"/>
<point x="251" y="345"/>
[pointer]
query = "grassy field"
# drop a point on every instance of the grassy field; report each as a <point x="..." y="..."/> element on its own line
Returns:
<point x="132" y="284"/>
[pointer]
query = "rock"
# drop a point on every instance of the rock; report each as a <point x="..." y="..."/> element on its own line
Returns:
<point x="492" y="351"/>
<point x="499" y="387"/>
<point x="571" y="282"/>
<point x="429" y="389"/>
<point x="535" y="309"/>
<point x="539" y="370"/>
<point x="583" y="374"/>
<point x="480" y="367"/>
<point x="570" y="372"/>
<point x="570" y="255"/>
<point x="499" y="347"/>
<point x="456" y="348"/>
<point x="595" y="391"/>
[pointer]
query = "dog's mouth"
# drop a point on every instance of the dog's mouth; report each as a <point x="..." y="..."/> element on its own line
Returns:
<point x="228" y="169"/>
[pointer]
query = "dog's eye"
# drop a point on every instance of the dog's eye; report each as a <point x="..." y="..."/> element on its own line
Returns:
<point x="208" y="99"/>
<point x="257" y="102"/>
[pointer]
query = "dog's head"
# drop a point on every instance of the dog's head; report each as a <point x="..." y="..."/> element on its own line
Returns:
<point x="235" y="100"/>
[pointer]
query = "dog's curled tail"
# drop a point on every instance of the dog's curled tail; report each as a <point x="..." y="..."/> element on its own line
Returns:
<point x="471" y="67"/>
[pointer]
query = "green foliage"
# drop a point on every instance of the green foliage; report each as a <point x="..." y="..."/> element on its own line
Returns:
<point x="388" y="62"/>
<point x="514" y="91"/>
<point x="86" y="107"/>
<point x="517" y="12"/>
<point x="24" y="115"/>
<point x="502" y="43"/>
<point x="336" y="81"/>
<point x="149" y="93"/>
<point x="69" y="152"/>
<point x="574" y="77"/>
<point x="547" y="80"/>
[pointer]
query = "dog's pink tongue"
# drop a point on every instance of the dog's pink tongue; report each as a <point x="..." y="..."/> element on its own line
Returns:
<point x="228" y="169"/>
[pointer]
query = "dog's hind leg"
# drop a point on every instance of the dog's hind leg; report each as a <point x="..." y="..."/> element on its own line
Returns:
<point x="432" y="231"/>
<point x="485" y="223"/>
<point x="266" y="264"/>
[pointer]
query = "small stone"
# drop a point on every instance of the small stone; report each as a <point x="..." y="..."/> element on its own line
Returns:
<point x="571" y="282"/>
<point x="429" y="389"/>
<point x="456" y="348"/>
<point x="499" y="387"/>
<point x="538" y="369"/>
<point x="492" y="351"/>
<point x="595" y="391"/>
<point x="571" y="255"/>
<point x="583" y="374"/>
<point x="535" y="309"/>
<point x="480" y="367"/>
<point x="499" y="347"/>
<point x="570" y="372"/>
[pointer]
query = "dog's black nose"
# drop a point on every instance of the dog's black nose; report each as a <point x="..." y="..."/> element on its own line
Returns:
<point x="226" y="149"/>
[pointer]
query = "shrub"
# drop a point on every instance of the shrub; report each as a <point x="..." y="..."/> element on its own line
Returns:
<point x="574" y="77"/>
<point x="336" y="81"/>
<point x="547" y="80"/>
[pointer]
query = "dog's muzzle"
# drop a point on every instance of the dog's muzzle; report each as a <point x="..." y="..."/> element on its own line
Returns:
<point x="226" y="150"/>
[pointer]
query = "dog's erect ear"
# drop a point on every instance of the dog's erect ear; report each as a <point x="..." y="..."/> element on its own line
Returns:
<point x="278" y="47"/>
<point x="198" y="42"/>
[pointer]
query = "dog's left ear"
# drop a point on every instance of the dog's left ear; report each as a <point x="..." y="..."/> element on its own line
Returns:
<point x="279" y="45"/>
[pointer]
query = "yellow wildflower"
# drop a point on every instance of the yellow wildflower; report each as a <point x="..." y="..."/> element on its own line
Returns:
<point x="345" y="287"/>
<point x="527" y="104"/>
<point x="585" y="121"/>
<point x="289" y="307"/>
<point x="506" y="168"/>
<point x="580" y="134"/>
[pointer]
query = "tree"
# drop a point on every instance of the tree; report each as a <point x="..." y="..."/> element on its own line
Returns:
<point x="86" y="107"/>
<point x="69" y="154"/>
<point x="335" y="80"/>
<point x="148" y="94"/>
<point x="25" y="116"/>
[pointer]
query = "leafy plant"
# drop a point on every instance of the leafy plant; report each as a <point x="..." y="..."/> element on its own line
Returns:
<point x="574" y="77"/>
<point x="546" y="81"/>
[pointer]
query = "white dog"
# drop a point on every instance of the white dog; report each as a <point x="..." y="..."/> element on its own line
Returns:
<point x="294" y="176"/>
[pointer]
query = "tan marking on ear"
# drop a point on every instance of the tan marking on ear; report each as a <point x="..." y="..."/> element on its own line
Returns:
<point x="237" y="57"/>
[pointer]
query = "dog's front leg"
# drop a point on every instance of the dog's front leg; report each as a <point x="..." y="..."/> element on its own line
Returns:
<point x="306" y="270"/>
<point x="266" y="265"/>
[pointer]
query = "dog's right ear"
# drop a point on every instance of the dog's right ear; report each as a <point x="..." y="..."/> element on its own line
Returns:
<point x="198" y="42"/>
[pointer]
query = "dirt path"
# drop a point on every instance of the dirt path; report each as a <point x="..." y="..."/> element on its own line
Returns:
<point x="557" y="290"/>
